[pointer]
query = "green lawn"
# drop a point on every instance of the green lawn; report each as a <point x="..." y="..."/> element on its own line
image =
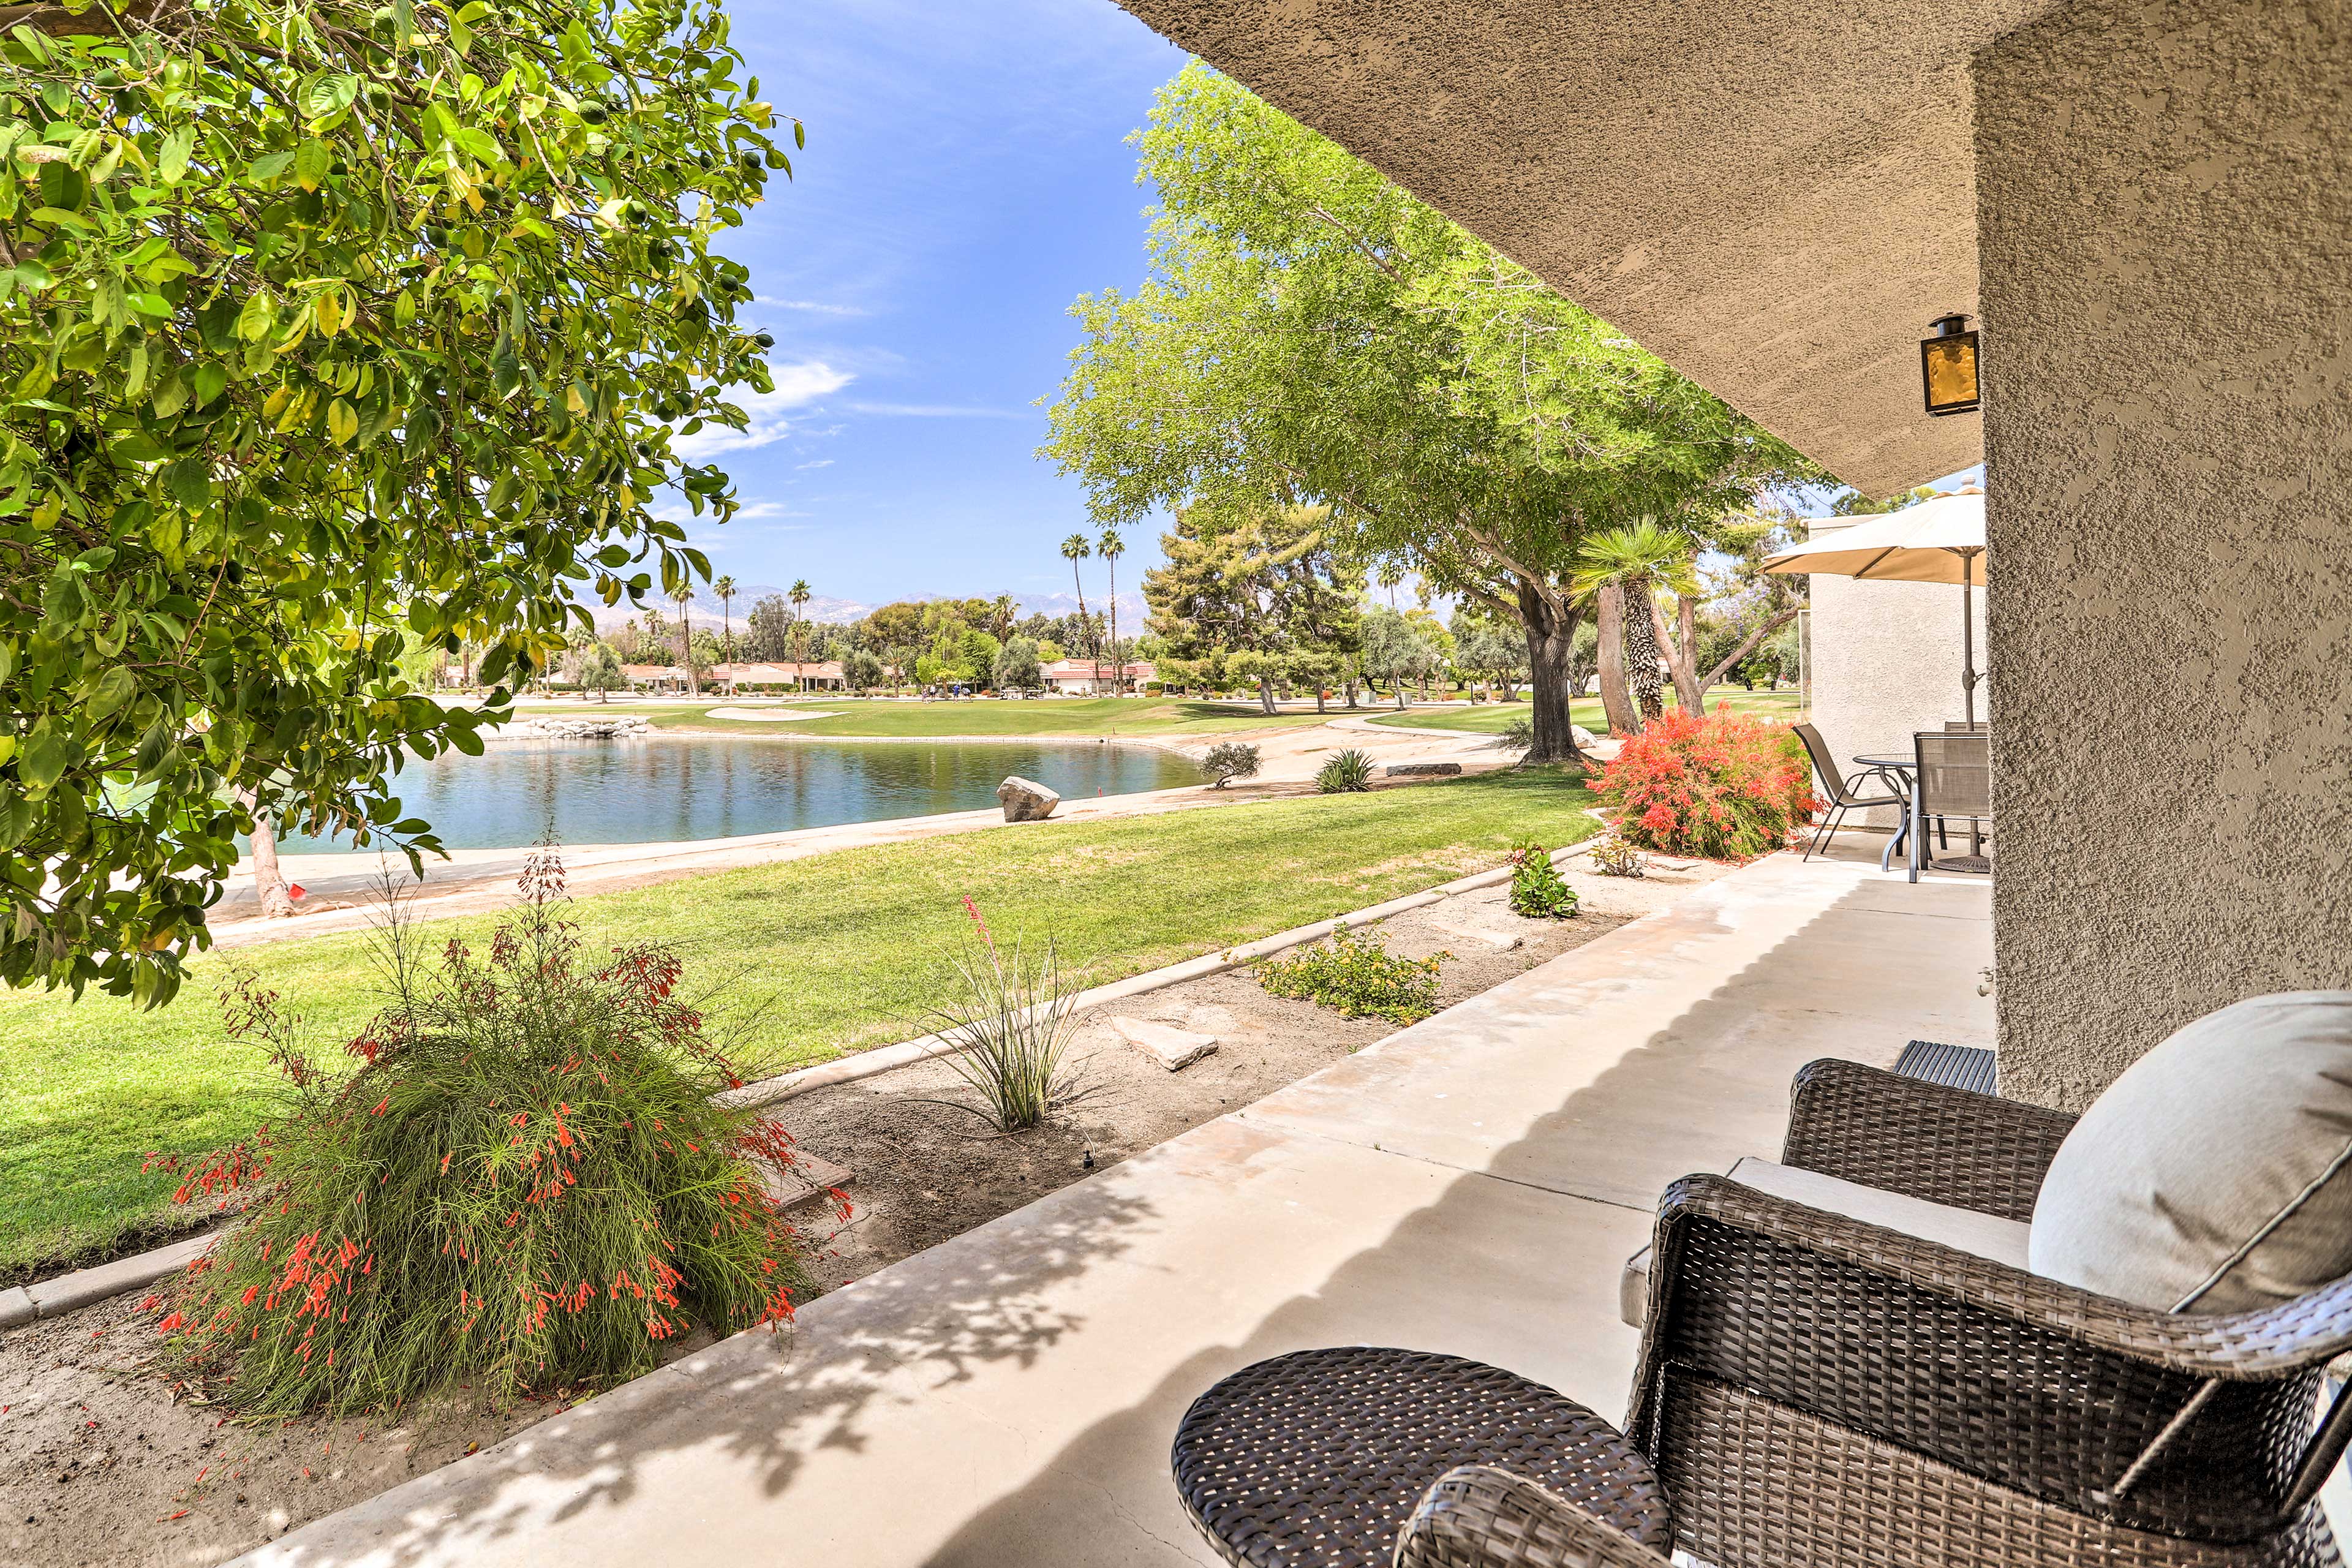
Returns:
<point x="1494" y="718"/>
<point x="814" y="958"/>
<point x="1056" y="716"/>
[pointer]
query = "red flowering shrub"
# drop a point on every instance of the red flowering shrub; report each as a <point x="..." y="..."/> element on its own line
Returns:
<point x="1726" y="787"/>
<point x="524" y="1183"/>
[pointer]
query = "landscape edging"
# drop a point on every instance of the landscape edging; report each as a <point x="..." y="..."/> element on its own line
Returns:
<point x="906" y="1053"/>
<point x="24" y="1304"/>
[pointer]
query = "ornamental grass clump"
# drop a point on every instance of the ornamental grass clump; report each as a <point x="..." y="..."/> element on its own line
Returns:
<point x="1724" y="787"/>
<point x="1358" y="979"/>
<point x="525" y="1184"/>
<point x="1348" y="772"/>
<point x="1538" y="890"/>
<point x="1011" y="1030"/>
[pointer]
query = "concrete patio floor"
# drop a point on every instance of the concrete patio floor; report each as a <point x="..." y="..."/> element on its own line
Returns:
<point x="1472" y="1184"/>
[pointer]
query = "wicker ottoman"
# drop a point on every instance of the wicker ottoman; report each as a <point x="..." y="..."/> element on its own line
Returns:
<point x="1314" y="1460"/>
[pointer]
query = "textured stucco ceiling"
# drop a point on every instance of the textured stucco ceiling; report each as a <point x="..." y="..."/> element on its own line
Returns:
<point x="1775" y="195"/>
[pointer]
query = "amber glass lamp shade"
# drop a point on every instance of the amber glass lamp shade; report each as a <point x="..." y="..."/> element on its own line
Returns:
<point x="1947" y="367"/>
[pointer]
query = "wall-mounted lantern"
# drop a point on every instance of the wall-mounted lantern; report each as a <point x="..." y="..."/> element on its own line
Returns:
<point x="1948" y="366"/>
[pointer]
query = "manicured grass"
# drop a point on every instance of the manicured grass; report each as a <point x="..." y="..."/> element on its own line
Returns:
<point x="1051" y="716"/>
<point x="809" y="959"/>
<point x="1494" y="718"/>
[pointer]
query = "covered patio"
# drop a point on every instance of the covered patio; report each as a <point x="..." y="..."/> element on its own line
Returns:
<point x="1475" y="1182"/>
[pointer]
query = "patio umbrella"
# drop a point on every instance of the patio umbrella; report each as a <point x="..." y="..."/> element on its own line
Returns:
<point x="1937" y="540"/>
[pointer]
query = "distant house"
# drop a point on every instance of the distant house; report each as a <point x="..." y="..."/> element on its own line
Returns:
<point x="780" y="677"/>
<point x="656" y="677"/>
<point x="1084" y="677"/>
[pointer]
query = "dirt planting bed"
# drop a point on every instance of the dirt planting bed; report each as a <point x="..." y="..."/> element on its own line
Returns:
<point x="103" y="1462"/>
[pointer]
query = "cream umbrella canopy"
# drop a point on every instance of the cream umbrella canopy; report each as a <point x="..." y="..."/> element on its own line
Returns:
<point x="1941" y="540"/>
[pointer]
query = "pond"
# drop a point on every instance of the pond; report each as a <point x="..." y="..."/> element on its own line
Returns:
<point x="654" y="789"/>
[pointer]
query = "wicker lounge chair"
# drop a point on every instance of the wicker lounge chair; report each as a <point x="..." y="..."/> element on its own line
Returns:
<point x="1845" y="794"/>
<point x="1816" y="1392"/>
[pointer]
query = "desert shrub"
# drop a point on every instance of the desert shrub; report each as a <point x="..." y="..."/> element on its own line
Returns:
<point x="1348" y="772"/>
<point x="1537" y="890"/>
<point x="1358" y="979"/>
<point x="1728" y="787"/>
<point x="1012" y="1027"/>
<point x="1228" y="761"/>
<point x="1518" y="735"/>
<point x="524" y="1185"/>
<point x="1612" y="857"/>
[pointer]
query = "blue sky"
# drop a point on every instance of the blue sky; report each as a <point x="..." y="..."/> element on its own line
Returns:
<point x="967" y="176"/>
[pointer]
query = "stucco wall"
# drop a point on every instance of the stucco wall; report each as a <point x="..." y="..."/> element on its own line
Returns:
<point x="2165" y="227"/>
<point x="1886" y="663"/>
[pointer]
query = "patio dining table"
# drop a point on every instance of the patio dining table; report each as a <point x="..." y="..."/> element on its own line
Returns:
<point x="1908" y="767"/>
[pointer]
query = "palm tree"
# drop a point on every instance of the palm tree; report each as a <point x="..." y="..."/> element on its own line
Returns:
<point x="1002" y="615"/>
<point x="1076" y="548"/>
<point x="1634" y="560"/>
<point x="799" y="597"/>
<point x="682" y="598"/>
<point x="725" y="589"/>
<point x="1110" y="547"/>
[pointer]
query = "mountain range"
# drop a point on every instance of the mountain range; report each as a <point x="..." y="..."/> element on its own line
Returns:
<point x="705" y="610"/>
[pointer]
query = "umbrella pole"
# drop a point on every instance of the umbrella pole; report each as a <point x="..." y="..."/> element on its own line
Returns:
<point x="1968" y="650"/>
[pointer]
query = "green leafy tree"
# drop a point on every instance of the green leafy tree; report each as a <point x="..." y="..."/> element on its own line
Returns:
<point x="1017" y="667"/>
<point x="1256" y="595"/>
<point x="600" y="670"/>
<point x="862" y="669"/>
<point x="1396" y="649"/>
<point x="1488" y="650"/>
<point x="320" y="324"/>
<point x="1310" y="334"/>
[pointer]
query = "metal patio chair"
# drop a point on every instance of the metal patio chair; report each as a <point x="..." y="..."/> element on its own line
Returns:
<point x="1845" y="794"/>
<point x="1953" y="778"/>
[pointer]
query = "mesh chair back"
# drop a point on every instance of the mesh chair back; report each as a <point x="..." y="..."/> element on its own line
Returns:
<point x="1955" y="776"/>
<point x="1833" y="782"/>
<point x="1963" y="727"/>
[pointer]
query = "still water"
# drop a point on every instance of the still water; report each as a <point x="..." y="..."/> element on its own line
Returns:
<point x="657" y="788"/>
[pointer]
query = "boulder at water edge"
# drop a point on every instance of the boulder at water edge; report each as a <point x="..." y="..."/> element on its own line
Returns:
<point x="1024" y="800"/>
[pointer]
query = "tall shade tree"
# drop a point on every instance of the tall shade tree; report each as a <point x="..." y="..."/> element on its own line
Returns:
<point x="1309" y="333"/>
<point x="1110" y="547"/>
<point x="724" y="587"/>
<point x="1076" y="548"/>
<point x="682" y="596"/>
<point x="799" y="595"/>
<point x="320" y="321"/>
<point x="1254" y="597"/>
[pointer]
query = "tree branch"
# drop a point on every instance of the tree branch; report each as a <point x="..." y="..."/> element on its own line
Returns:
<point x="1747" y="645"/>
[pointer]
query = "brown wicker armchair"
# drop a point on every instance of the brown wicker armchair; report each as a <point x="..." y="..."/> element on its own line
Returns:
<point x="1813" y="1390"/>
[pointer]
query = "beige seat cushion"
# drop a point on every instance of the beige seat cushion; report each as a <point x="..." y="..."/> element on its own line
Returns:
<point x="1963" y="1230"/>
<point x="2215" y="1176"/>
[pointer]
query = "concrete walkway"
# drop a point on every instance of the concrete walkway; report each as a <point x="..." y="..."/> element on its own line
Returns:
<point x="1472" y="1184"/>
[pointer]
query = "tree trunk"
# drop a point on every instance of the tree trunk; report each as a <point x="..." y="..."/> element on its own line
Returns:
<point x="1616" y="703"/>
<point x="268" y="882"/>
<point x="1266" y="692"/>
<point x="1401" y="704"/>
<point x="1552" y="635"/>
<point x="1641" y="634"/>
<point x="1681" y="643"/>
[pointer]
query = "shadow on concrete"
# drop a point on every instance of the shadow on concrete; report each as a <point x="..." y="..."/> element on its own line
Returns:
<point x="1456" y="1274"/>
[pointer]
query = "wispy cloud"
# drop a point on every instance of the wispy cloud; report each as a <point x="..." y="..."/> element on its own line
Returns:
<point x="816" y="307"/>
<point x="936" y="411"/>
<point x="819" y="463"/>
<point x="760" y="509"/>
<point x="796" y="385"/>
